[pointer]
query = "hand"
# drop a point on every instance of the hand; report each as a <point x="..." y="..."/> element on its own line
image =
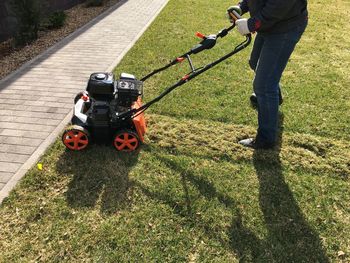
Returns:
<point x="235" y="8"/>
<point x="242" y="26"/>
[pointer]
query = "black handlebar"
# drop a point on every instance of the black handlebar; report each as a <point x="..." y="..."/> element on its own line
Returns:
<point x="207" y="43"/>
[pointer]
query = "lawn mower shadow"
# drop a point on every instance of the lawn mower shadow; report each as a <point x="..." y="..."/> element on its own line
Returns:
<point x="100" y="177"/>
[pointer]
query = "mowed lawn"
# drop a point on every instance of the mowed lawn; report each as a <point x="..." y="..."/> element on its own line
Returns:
<point x="191" y="193"/>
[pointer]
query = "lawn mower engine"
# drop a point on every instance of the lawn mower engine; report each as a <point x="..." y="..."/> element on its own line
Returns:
<point x="96" y="112"/>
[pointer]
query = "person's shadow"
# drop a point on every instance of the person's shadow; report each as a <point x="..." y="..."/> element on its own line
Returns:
<point x="289" y="236"/>
<point x="99" y="175"/>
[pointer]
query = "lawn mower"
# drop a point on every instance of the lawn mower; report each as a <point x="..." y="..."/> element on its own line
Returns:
<point x="111" y="110"/>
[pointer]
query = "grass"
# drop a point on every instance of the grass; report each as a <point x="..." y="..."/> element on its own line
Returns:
<point x="191" y="194"/>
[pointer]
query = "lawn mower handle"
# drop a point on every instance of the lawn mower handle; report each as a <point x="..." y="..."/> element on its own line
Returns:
<point x="234" y="16"/>
<point x="193" y="74"/>
<point x="207" y="43"/>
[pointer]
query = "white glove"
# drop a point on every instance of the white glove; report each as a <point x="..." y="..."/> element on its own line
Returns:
<point x="242" y="26"/>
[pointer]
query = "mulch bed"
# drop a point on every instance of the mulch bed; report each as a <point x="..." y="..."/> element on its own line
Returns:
<point x="12" y="58"/>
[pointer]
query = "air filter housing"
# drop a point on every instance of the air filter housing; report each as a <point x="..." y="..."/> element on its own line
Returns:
<point x="128" y="89"/>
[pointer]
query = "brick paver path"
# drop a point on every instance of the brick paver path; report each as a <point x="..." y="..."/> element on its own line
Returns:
<point x="36" y="101"/>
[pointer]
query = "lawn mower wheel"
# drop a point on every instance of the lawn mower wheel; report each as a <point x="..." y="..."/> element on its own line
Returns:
<point x="76" y="138"/>
<point x="126" y="140"/>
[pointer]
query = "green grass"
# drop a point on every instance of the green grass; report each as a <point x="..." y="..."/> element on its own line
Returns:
<point x="192" y="194"/>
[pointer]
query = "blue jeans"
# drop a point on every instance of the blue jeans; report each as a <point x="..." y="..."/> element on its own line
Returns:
<point x="268" y="59"/>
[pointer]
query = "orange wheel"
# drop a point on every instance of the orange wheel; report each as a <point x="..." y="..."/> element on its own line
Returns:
<point x="76" y="138"/>
<point x="126" y="140"/>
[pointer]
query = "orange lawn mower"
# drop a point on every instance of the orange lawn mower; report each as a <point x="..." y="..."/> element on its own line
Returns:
<point x="111" y="110"/>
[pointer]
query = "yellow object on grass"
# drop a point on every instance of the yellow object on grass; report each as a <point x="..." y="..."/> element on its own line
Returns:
<point x="40" y="166"/>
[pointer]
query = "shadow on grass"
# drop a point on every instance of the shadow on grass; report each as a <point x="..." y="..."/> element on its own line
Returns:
<point x="289" y="236"/>
<point x="100" y="176"/>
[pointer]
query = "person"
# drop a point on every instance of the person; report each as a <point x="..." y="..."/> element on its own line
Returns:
<point x="279" y="25"/>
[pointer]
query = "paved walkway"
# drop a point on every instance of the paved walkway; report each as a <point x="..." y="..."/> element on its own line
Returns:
<point x="36" y="101"/>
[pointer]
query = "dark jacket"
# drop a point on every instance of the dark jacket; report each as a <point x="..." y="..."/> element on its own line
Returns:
<point x="276" y="16"/>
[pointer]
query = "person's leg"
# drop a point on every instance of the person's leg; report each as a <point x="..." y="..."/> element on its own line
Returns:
<point x="273" y="59"/>
<point x="255" y="54"/>
<point x="253" y="62"/>
<point x="274" y="55"/>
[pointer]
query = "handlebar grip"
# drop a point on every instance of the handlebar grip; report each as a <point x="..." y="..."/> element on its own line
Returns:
<point x="200" y="35"/>
<point x="234" y="15"/>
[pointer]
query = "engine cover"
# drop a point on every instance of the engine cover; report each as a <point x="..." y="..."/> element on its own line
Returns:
<point x="101" y="86"/>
